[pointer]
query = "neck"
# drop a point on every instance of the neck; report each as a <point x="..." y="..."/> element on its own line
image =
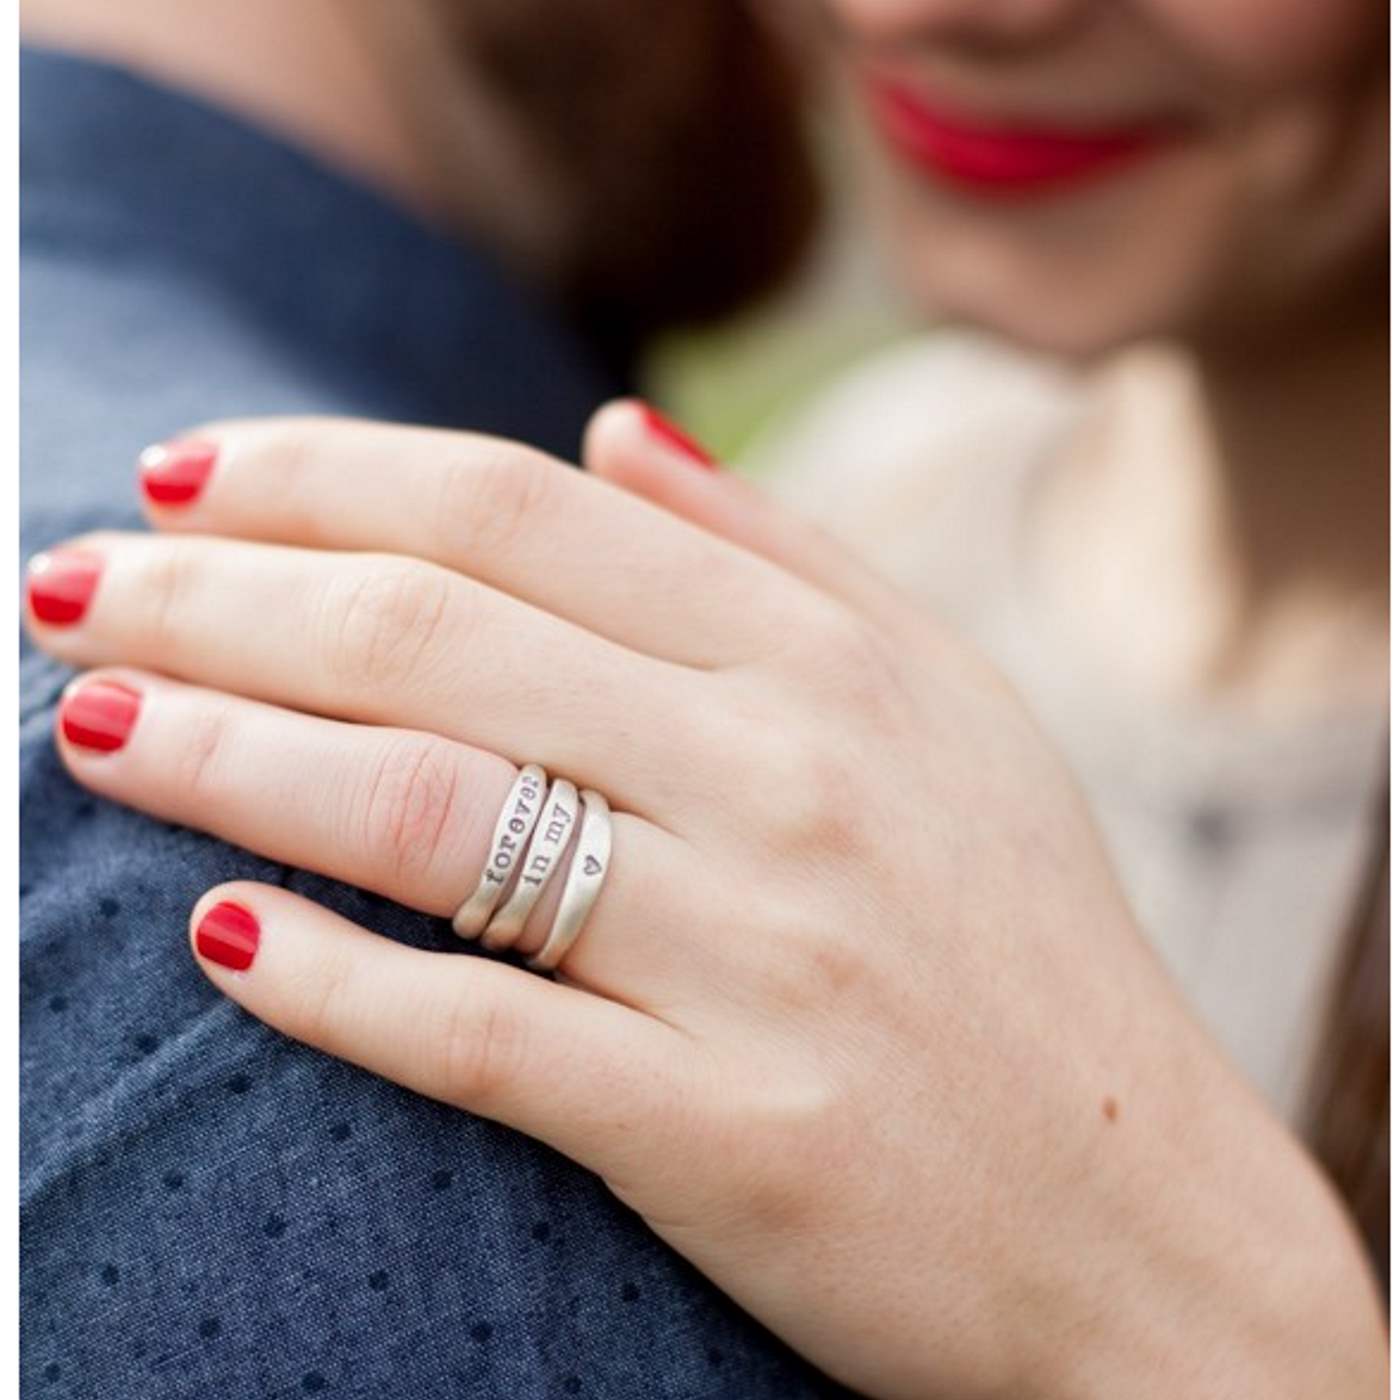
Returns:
<point x="1224" y="532"/>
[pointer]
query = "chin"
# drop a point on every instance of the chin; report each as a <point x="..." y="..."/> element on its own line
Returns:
<point x="1076" y="278"/>
<point x="1068" y="335"/>
<point x="1080" y="328"/>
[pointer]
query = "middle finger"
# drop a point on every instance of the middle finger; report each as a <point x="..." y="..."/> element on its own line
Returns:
<point x="375" y="638"/>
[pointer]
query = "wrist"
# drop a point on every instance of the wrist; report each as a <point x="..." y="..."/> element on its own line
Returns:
<point x="1213" y="1260"/>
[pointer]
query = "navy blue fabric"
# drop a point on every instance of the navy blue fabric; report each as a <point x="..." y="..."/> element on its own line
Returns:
<point x="209" y="1209"/>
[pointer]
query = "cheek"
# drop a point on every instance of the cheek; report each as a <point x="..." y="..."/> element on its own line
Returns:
<point x="1269" y="42"/>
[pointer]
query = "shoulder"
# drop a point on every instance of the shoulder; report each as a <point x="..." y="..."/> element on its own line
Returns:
<point x="120" y="354"/>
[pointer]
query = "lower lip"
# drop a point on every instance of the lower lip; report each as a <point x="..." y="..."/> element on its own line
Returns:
<point x="1007" y="161"/>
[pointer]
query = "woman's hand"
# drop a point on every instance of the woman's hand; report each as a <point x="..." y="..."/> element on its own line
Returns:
<point x="860" y="1023"/>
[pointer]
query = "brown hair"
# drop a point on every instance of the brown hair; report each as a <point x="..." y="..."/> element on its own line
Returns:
<point x="673" y="137"/>
<point x="1350" y="1114"/>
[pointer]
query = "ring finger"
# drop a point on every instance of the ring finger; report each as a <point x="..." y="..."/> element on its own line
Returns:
<point x="405" y="814"/>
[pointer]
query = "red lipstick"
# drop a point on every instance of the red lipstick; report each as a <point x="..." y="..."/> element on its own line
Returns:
<point x="1009" y="160"/>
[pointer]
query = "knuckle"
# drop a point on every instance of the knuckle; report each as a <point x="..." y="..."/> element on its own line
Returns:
<point x="165" y="579"/>
<point x="816" y="958"/>
<point x="321" y="1004"/>
<point x="847" y="665"/>
<point x="385" y="619"/>
<point x="287" y="443"/>
<point x="289" y="451"/>
<point x="410" y="805"/>
<point x="826" y="969"/>
<point x="481" y="1049"/>
<point x="197" y="767"/>
<point x="281" y="440"/>
<point x="496" y="494"/>
<point x="816" y="809"/>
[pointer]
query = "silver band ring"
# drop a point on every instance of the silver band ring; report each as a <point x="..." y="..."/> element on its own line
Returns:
<point x="558" y="817"/>
<point x="519" y="813"/>
<point x="587" y="870"/>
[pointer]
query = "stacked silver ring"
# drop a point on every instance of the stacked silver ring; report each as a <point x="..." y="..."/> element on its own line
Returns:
<point x="528" y="845"/>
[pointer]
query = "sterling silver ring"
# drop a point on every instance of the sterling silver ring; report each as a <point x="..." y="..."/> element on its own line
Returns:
<point x="587" y="870"/>
<point x="519" y="813"/>
<point x="558" y="817"/>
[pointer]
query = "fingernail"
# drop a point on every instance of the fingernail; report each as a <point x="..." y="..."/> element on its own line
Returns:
<point x="99" y="715"/>
<point x="174" y="473"/>
<point x="228" y="935"/>
<point x="661" y="427"/>
<point x="61" y="583"/>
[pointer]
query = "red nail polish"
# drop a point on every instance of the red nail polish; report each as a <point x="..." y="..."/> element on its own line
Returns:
<point x="61" y="583"/>
<point x="662" y="427"/>
<point x="99" y="715"/>
<point x="228" y="935"/>
<point x="174" y="473"/>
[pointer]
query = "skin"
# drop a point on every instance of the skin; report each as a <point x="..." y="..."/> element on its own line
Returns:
<point x="808" y="1037"/>
<point x="944" y="1138"/>
<point x="1272" y="199"/>
<point x="1258" y="244"/>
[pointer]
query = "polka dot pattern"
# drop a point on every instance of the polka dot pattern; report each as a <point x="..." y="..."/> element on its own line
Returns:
<point x="210" y="1210"/>
<point x="213" y="1209"/>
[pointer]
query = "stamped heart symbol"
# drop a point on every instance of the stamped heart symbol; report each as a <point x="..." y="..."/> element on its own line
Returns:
<point x="592" y="865"/>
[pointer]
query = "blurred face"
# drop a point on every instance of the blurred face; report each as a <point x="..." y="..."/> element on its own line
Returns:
<point x="1077" y="173"/>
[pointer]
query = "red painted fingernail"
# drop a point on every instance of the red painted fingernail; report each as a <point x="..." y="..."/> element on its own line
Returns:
<point x="661" y="427"/>
<point x="99" y="715"/>
<point x="228" y="935"/>
<point x="61" y="583"/>
<point x="174" y="473"/>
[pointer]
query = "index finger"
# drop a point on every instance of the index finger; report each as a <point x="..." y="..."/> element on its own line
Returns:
<point x="502" y="513"/>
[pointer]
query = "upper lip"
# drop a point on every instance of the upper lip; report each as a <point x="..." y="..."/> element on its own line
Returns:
<point x="1010" y="150"/>
<point x="1015" y="118"/>
<point x="1022" y="125"/>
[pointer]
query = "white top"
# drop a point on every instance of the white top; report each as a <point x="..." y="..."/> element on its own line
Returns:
<point x="1241" y="846"/>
